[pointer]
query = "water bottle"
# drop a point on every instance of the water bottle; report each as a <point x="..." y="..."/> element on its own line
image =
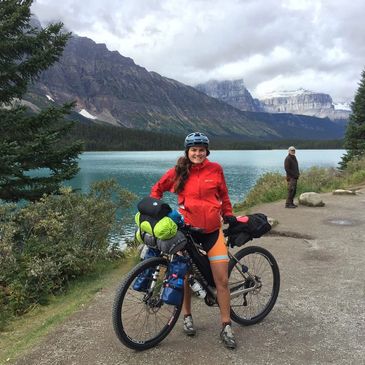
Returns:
<point x="144" y="252"/>
<point x="197" y="288"/>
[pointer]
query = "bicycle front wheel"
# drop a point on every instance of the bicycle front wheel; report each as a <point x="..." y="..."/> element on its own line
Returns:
<point x="141" y="319"/>
<point x="254" y="281"/>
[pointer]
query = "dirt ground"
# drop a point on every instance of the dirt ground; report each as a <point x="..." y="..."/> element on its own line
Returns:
<point x="319" y="317"/>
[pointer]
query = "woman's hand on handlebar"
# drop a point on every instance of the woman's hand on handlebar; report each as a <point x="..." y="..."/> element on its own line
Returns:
<point x="230" y="219"/>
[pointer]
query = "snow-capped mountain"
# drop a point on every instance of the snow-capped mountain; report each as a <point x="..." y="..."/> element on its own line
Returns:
<point x="305" y="102"/>
<point x="342" y="106"/>
<point x="299" y="101"/>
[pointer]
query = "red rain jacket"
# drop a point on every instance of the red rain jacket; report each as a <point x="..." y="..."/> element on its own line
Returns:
<point x="204" y="198"/>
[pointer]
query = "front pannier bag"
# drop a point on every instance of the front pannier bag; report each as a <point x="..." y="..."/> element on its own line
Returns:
<point x="173" y="290"/>
<point x="144" y="278"/>
<point x="247" y="228"/>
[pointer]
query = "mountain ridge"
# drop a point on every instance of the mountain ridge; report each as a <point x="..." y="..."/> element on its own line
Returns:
<point x="113" y="89"/>
<point x="300" y="101"/>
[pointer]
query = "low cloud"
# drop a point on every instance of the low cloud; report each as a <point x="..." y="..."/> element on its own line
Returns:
<point x="272" y="45"/>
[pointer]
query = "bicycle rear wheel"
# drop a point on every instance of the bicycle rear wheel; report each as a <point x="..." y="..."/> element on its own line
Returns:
<point x="140" y="318"/>
<point x="255" y="269"/>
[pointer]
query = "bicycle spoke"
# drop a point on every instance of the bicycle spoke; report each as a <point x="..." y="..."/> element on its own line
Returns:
<point x="140" y="318"/>
<point x="256" y="303"/>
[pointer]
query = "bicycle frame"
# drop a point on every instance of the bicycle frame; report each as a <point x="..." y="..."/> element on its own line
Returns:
<point x="200" y="259"/>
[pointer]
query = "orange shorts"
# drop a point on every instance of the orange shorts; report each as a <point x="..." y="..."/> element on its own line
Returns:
<point x="219" y="252"/>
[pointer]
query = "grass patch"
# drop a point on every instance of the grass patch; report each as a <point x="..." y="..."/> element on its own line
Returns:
<point x="27" y="330"/>
<point x="272" y="187"/>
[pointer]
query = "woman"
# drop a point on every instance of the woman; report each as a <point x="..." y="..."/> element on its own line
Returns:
<point x="203" y="200"/>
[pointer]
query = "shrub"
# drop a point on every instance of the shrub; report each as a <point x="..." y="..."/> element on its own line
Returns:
<point x="319" y="180"/>
<point x="269" y="187"/>
<point x="355" y="171"/>
<point x="272" y="186"/>
<point x="46" y="244"/>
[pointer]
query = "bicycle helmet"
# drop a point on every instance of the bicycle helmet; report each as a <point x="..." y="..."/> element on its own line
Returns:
<point x="196" y="139"/>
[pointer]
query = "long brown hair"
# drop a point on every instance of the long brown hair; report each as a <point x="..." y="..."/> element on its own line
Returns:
<point x="182" y="169"/>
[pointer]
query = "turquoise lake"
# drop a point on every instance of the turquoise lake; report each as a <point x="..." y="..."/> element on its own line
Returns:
<point x="138" y="171"/>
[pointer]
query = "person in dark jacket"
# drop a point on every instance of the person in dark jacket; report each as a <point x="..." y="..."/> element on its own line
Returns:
<point x="292" y="174"/>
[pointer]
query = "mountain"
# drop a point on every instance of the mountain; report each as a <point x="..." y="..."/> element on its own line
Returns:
<point x="306" y="103"/>
<point x="231" y="92"/>
<point x="300" y="101"/>
<point x="111" y="88"/>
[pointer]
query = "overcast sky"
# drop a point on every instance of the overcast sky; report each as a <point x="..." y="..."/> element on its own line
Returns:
<point x="272" y="44"/>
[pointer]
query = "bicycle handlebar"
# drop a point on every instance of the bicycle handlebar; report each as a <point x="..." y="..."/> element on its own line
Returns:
<point x="187" y="228"/>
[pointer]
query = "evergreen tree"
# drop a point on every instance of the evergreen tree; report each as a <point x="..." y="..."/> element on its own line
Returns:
<point x="33" y="161"/>
<point x="355" y="132"/>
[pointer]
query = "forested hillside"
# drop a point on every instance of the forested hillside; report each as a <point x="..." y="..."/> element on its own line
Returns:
<point x="98" y="137"/>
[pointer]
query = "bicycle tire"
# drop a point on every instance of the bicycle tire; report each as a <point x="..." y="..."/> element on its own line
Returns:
<point x="134" y="318"/>
<point x="252" y="307"/>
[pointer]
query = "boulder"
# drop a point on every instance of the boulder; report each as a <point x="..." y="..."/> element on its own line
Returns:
<point x="273" y="222"/>
<point x="311" y="199"/>
<point x="344" y="192"/>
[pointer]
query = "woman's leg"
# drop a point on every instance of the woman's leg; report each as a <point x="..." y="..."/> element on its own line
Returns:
<point x="186" y="307"/>
<point x="218" y="259"/>
<point x="188" y="319"/>
<point x="220" y="276"/>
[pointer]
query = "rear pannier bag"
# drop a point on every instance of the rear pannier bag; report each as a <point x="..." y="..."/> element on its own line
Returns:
<point x="147" y="239"/>
<point x="163" y="229"/>
<point x="173" y="245"/>
<point x="247" y="228"/>
<point x="154" y="208"/>
<point x="153" y="222"/>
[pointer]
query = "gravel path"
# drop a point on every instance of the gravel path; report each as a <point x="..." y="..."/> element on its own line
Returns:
<point x="319" y="317"/>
